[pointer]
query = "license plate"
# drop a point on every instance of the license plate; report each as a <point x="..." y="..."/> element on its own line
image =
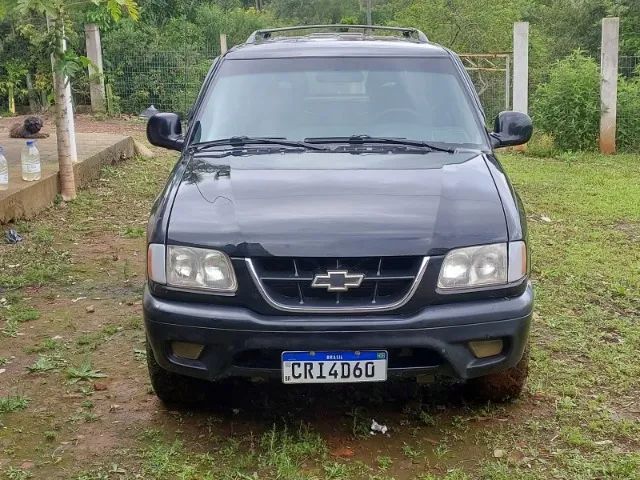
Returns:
<point x="334" y="367"/>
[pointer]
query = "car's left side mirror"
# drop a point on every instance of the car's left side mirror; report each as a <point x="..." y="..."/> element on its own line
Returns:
<point x="511" y="128"/>
<point x="165" y="130"/>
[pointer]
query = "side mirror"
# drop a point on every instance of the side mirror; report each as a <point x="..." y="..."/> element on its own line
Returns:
<point x="511" y="128"/>
<point x="165" y="130"/>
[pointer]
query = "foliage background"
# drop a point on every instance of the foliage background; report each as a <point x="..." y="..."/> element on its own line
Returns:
<point x="172" y="34"/>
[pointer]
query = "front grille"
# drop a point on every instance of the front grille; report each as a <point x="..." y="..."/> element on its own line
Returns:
<point x="286" y="282"/>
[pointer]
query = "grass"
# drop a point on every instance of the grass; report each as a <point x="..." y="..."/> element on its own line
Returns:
<point x="13" y="313"/>
<point x="46" y="363"/>
<point x="83" y="373"/>
<point x="579" y="419"/>
<point x="18" y="474"/>
<point x="13" y="403"/>
<point x="46" y="345"/>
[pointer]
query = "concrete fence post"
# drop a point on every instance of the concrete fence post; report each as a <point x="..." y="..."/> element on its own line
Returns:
<point x="520" y="101"/>
<point x="521" y="67"/>
<point x="223" y="43"/>
<point x="609" y="84"/>
<point x="96" y="75"/>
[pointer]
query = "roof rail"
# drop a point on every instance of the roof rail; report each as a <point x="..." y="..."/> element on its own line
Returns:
<point x="406" y="32"/>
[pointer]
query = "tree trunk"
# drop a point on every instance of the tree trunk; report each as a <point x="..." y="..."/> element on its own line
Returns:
<point x="33" y="99"/>
<point x="12" y="99"/>
<point x="64" y="119"/>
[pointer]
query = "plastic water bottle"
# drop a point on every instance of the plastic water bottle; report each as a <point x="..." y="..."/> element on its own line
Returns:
<point x="30" y="159"/>
<point x="4" y="171"/>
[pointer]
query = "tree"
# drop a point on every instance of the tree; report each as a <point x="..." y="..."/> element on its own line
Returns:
<point x="65" y="64"/>
<point x="11" y="81"/>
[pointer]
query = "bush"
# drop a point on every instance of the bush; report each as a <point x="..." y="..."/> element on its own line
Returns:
<point x="541" y="145"/>
<point x="628" y="122"/>
<point x="568" y="105"/>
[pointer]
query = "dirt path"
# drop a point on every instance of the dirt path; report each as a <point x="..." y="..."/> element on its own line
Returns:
<point x="75" y="400"/>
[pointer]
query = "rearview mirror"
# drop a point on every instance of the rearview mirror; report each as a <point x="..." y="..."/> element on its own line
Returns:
<point x="165" y="130"/>
<point x="511" y="128"/>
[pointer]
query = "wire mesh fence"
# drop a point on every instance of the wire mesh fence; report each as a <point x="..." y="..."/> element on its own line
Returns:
<point x="628" y="105"/>
<point x="629" y="66"/>
<point x="491" y="75"/>
<point x="169" y="80"/>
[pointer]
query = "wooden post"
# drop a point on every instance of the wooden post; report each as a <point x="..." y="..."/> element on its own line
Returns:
<point x="96" y="76"/>
<point x="609" y="84"/>
<point x="223" y="43"/>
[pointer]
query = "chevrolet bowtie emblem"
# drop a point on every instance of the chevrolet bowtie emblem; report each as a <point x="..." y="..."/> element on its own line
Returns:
<point x="337" y="280"/>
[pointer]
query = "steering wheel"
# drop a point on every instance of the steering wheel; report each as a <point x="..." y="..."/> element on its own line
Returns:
<point x="398" y="112"/>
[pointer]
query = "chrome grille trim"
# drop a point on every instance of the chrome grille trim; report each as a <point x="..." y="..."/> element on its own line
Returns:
<point x="348" y="309"/>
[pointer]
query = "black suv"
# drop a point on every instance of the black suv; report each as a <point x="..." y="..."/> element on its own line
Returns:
<point x="338" y="215"/>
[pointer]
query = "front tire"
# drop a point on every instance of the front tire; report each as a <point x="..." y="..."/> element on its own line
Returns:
<point x="173" y="388"/>
<point x="500" y="386"/>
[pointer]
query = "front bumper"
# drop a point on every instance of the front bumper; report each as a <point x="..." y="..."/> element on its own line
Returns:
<point x="240" y="342"/>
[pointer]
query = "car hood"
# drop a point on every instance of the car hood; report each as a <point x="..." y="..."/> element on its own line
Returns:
<point x="317" y="204"/>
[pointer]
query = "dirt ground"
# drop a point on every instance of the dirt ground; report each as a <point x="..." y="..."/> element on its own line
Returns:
<point x="76" y="403"/>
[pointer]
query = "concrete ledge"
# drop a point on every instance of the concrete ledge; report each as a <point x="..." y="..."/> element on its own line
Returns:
<point x="26" y="199"/>
<point x="89" y="169"/>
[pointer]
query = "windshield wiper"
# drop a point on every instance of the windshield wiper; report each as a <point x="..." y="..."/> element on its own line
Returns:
<point x="242" y="141"/>
<point x="362" y="139"/>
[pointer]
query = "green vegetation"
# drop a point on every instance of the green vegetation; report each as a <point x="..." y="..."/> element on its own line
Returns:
<point x="83" y="373"/>
<point x="45" y="363"/>
<point x="579" y="419"/>
<point x="14" y="312"/>
<point x="567" y="107"/>
<point x="13" y="403"/>
<point x="162" y="57"/>
<point x="18" y="474"/>
<point x="573" y="86"/>
<point x="628" y="127"/>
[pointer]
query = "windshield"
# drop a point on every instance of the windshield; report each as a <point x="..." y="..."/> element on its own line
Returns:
<point x="306" y="98"/>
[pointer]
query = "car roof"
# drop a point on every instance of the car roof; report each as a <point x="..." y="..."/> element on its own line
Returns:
<point x="334" y="46"/>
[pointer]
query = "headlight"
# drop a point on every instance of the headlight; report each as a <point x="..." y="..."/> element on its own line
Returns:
<point x="191" y="268"/>
<point x="484" y="265"/>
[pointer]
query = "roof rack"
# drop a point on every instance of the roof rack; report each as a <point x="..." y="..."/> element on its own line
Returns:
<point x="406" y="32"/>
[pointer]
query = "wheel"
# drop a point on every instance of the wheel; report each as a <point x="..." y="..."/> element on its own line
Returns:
<point x="173" y="388"/>
<point x="501" y="386"/>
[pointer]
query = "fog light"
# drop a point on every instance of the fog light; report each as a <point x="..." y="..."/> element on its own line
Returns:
<point x="486" y="348"/>
<point x="186" y="350"/>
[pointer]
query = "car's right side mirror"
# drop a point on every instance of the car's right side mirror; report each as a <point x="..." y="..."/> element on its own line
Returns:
<point x="511" y="128"/>
<point x="165" y="130"/>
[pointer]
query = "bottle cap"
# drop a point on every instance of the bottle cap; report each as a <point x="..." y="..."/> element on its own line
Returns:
<point x="30" y="142"/>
